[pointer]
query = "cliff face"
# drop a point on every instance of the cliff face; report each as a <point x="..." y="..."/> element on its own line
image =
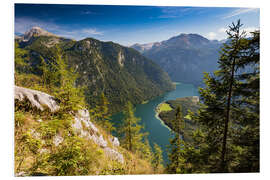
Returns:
<point x="81" y="125"/>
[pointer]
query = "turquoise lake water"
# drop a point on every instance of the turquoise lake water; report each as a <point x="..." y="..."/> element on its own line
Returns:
<point x="158" y="132"/>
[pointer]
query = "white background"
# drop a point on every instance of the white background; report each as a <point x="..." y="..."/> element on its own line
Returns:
<point x="6" y="83"/>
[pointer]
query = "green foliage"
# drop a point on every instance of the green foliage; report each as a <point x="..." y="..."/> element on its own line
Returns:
<point x="168" y="117"/>
<point x="157" y="159"/>
<point x="21" y="60"/>
<point x="73" y="158"/>
<point x="146" y="150"/>
<point x="115" y="168"/>
<point x="131" y="130"/>
<point x="175" y="151"/>
<point x="228" y="138"/>
<point x="25" y="144"/>
<point x="101" y="114"/>
<point x="50" y="70"/>
<point x="96" y="64"/>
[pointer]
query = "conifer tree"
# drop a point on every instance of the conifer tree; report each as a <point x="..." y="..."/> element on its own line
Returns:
<point x="146" y="150"/>
<point x="226" y="111"/>
<point x="21" y="60"/>
<point x="131" y="130"/>
<point x="157" y="158"/>
<point x="246" y="135"/>
<point x="70" y="96"/>
<point x="176" y="161"/>
<point x="101" y="113"/>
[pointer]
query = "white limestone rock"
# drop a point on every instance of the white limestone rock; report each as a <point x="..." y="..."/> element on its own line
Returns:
<point x="38" y="99"/>
<point x="121" y="59"/>
<point x="57" y="140"/>
<point x="81" y="125"/>
<point x="115" y="141"/>
<point x="114" y="155"/>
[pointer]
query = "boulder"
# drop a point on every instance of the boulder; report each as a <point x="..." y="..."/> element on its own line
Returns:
<point x="115" y="141"/>
<point x="38" y="99"/>
<point x="114" y="155"/>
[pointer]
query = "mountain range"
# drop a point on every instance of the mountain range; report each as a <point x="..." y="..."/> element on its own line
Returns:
<point x="184" y="57"/>
<point x="121" y="73"/>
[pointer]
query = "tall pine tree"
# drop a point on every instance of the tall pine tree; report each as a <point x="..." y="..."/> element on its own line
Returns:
<point x="157" y="158"/>
<point x="175" y="154"/>
<point x="101" y="113"/>
<point x="229" y="111"/>
<point x="131" y="130"/>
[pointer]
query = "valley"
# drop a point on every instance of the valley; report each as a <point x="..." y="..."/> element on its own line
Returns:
<point x="91" y="97"/>
<point x="158" y="131"/>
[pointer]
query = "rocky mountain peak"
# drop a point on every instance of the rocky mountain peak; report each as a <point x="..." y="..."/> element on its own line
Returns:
<point x="187" y="40"/>
<point x="36" y="31"/>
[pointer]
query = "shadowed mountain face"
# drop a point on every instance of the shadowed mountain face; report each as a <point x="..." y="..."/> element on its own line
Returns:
<point x="122" y="73"/>
<point x="184" y="57"/>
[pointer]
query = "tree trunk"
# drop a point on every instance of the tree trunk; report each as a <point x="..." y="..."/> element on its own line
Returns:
<point x="227" y="119"/>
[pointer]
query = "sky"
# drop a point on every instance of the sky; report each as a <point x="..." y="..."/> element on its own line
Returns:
<point x="128" y="25"/>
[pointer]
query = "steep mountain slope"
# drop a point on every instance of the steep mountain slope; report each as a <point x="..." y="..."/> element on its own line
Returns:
<point x="52" y="142"/>
<point x="122" y="73"/>
<point x="184" y="57"/>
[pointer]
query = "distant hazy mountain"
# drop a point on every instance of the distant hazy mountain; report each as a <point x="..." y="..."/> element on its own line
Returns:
<point x="184" y="57"/>
<point x="144" y="47"/>
<point x="122" y="73"/>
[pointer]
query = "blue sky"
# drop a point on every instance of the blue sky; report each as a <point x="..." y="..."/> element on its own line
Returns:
<point x="131" y="24"/>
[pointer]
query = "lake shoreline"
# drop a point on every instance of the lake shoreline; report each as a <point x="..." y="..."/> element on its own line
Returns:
<point x="157" y="129"/>
<point x="157" y="116"/>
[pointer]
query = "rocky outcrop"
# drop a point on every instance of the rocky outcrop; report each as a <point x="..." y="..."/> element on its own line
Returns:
<point x="114" y="155"/>
<point x="115" y="141"/>
<point x="86" y="129"/>
<point x="121" y="59"/>
<point x="38" y="99"/>
<point x="81" y="125"/>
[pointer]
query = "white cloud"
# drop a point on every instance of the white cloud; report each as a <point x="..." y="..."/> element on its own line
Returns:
<point x="220" y="33"/>
<point x="91" y="31"/>
<point x="240" y="11"/>
<point x="176" y="12"/>
<point x="248" y="30"/>
<point x="222" y="30"/>
<point x="211" y="35"/>
<point x="24" y="24"/>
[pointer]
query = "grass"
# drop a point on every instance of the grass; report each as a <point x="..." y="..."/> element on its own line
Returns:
<point x="163" y="107"/>
<point x="145" y="102"/>
<point x="188" y="117"/>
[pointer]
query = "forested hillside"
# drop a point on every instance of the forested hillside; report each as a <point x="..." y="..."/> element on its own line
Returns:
<point x="121" y="73"/>
<point x="227" y="135"/>
<point x="184" y="57"/>
<point x="57" y="133"/>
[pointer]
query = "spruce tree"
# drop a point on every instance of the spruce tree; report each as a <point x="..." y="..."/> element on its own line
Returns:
<point x="70" y="96"/>
<point x="246" y="135"/>
<point x="131" y="130"/>
<point x="176" y="161"/>
<point x="229" y="106"/>
<point x="146" y="150"/>
<point x="157" y="158"/>
<point x="101" y="113"/>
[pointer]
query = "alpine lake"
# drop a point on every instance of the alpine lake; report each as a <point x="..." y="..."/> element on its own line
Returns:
<point x="157" y="131"/>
